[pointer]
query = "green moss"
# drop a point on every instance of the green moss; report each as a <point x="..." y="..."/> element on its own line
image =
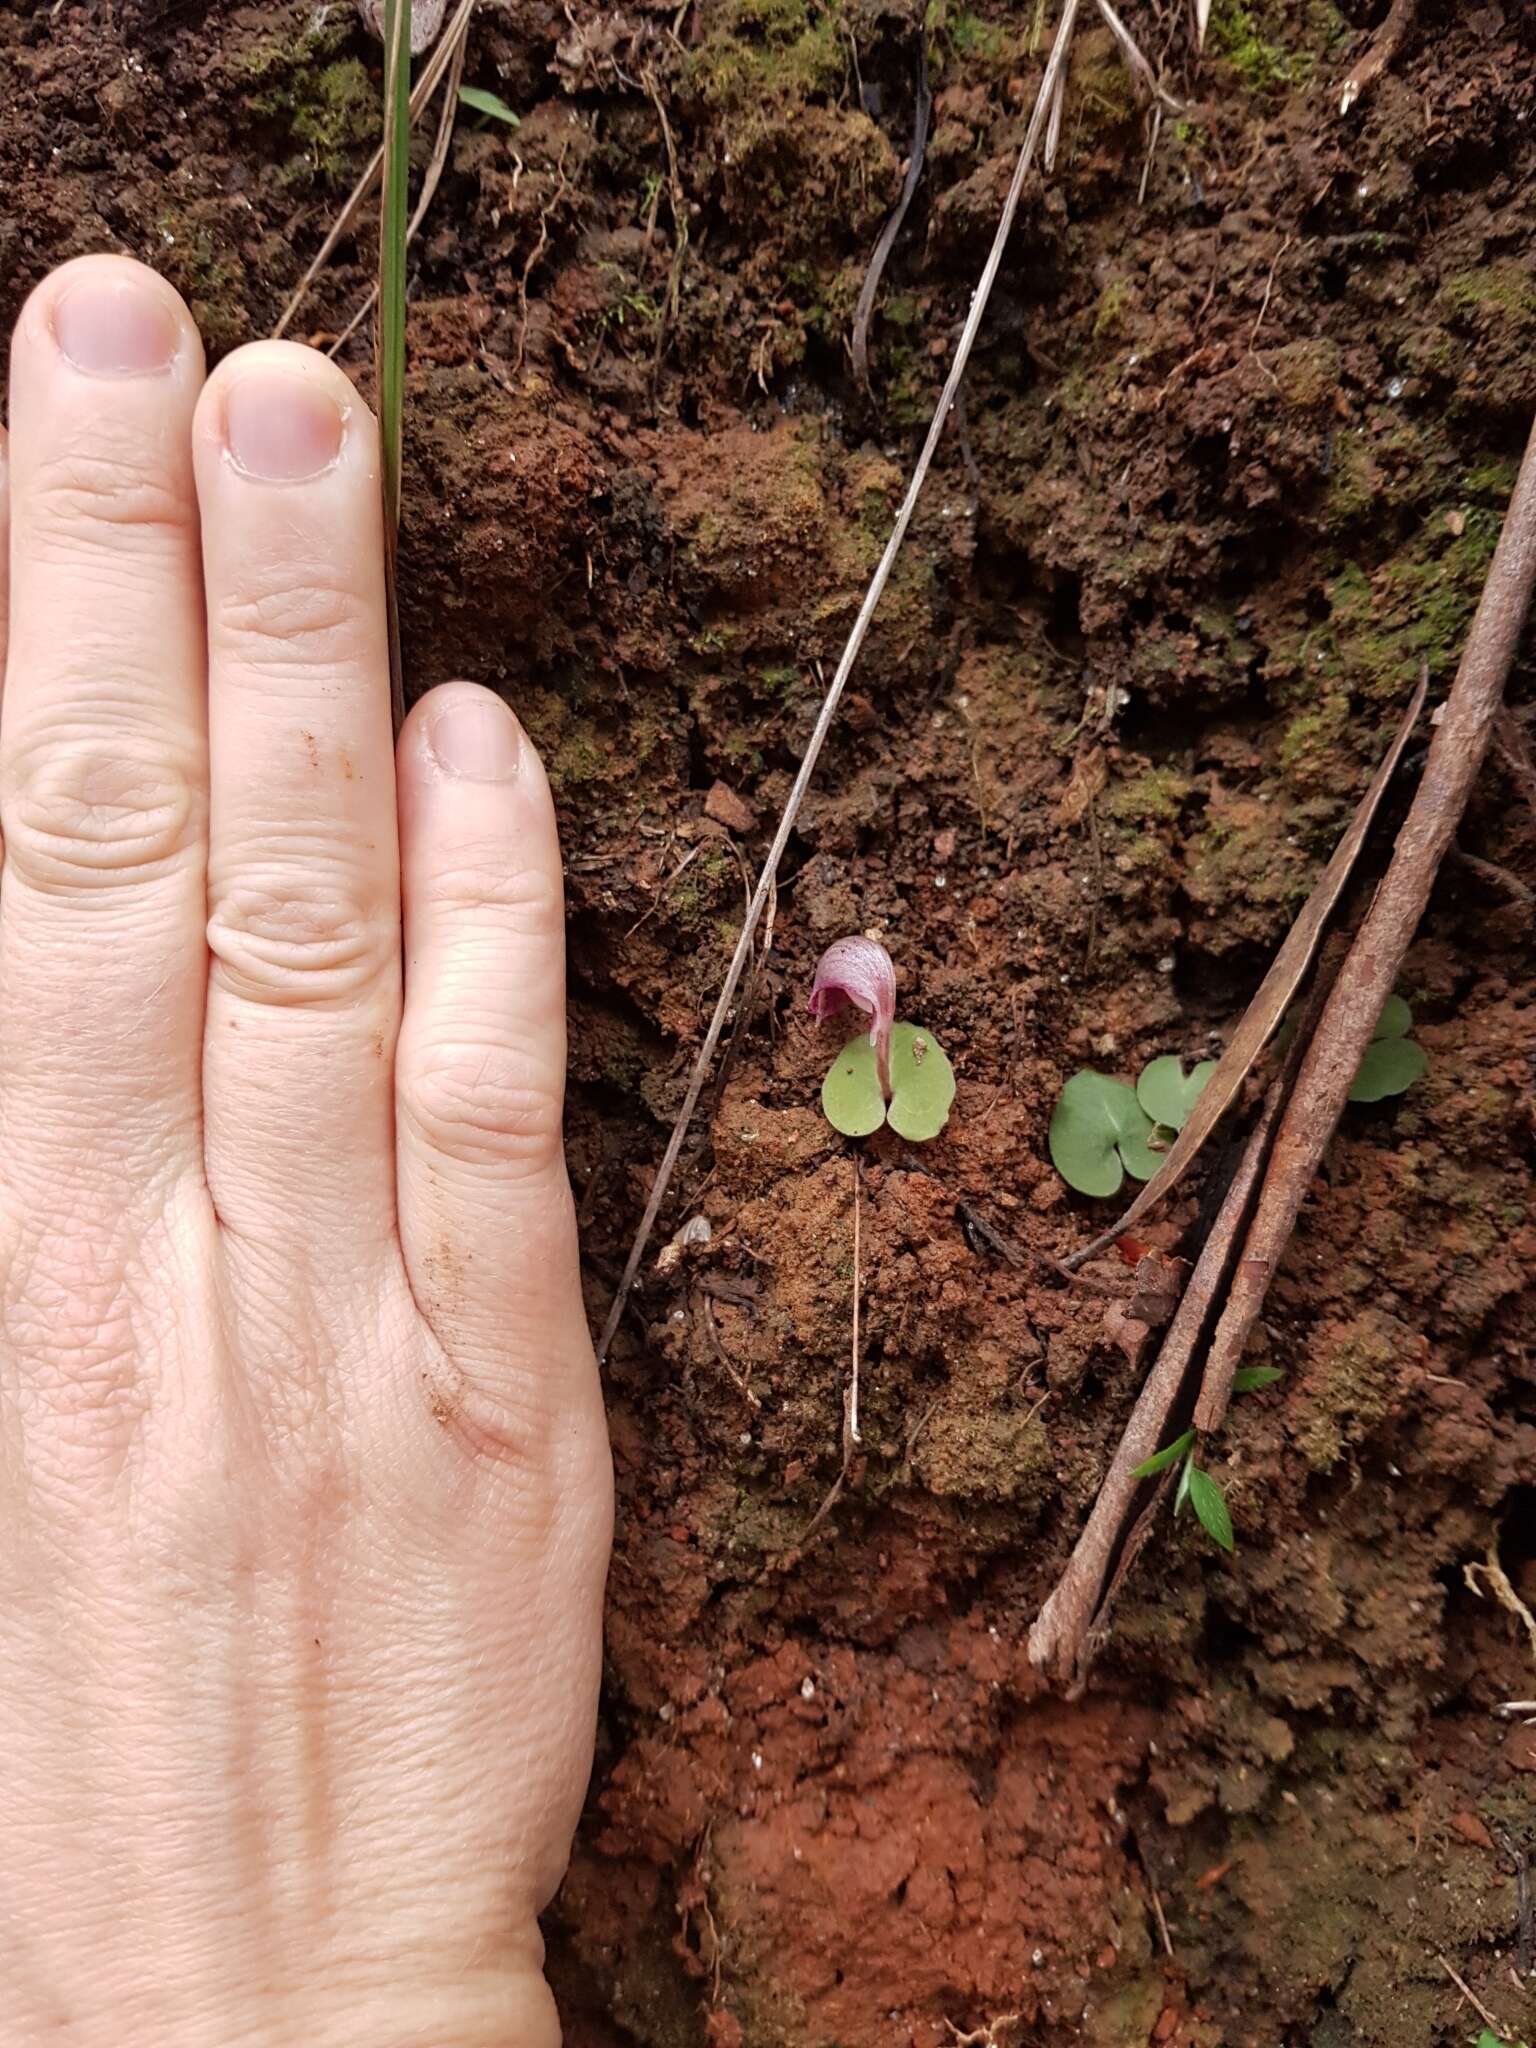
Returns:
<point x="1503" y="290"/>
<point x="326" y="103"/>
<point x="1350" y="1390"/>
<point x="1247" y="33"/>
<point x="1311" y="735"/>
<point x="1109" y="313"/>
<point x="1159" y="795"/>
<point x="1307" y="372"/>
<point x="761" y="55"/>
<point x="1416" y="607"/>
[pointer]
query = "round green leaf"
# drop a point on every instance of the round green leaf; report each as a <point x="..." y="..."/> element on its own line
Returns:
<point x="1098" y="1130"/>
<point x="851" y="1099"/>
<point x="1395" y="1021"/>
<point x="922" y="1084"/>
<point x="1390" y="1065"/>
<point x="1168" y="1094"/>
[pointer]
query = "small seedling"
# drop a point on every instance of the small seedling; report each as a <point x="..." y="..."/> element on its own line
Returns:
<point x="1105" y="1129"/>
<point x="1168" y="1094"/>
<point x="1099" y="1134"/>
<point x="1392" y="1060"/>
<point x="898" y="1074"/>
<point x="1196" y="1488"/>
<point x="479" y="101"/>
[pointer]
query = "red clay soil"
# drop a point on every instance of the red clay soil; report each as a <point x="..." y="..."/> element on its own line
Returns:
<point x="1231" y="464"/>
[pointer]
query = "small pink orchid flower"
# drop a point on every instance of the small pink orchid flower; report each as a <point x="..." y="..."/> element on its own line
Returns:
<point x="859" y="973"/>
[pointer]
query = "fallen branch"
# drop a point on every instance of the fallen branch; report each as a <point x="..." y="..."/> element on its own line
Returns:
<point x="1365" y="981"/>
<point x="844" y="669"/>
<point x="1269" y="1005"/>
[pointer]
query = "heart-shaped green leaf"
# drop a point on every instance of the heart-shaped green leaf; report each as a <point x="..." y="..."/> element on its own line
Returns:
<point x="851" y="1099"/>
<point x="1099" y="1134"/>
<point x="1167" y="1093"/>
<point x="1392" y="1061"/>
<point x="922" y="1087"/>
<point x="1389" y="1066"/>
<point x="922" y="1084"/>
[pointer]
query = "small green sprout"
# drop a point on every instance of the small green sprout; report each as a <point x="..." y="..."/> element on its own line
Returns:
<point x="1099" y="1134"/>
<point x="898" y="1074"/>
<point x="1105" y="1129"/>
<point x="1392" y="1060"/>
<point x="1168" y="1094"/>
<point x="491" y="104"/>
<point x="1196" y="1488"/>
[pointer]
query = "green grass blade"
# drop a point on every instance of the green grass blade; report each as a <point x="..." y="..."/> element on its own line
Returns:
<point x="390" y="356"/>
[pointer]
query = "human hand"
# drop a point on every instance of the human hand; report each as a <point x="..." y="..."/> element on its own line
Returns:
<point x="304" y="1487"/>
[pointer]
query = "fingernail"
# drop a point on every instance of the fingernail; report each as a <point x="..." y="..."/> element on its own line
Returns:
<point x="476" y="737"/>
<point x="281" y="429"/>
<point x="116" y="327"/>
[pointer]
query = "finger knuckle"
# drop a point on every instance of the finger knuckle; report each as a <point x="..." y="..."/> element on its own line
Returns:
<point x="526" y="903"/>
<point x="485" y="1105"/>
<point x="292" y="619"/>
<point x="110" y="495"/>
<point x="79" y="815"/>
<point x="289" y="942"/>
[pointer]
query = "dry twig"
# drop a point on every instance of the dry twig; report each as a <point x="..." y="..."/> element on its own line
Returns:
<point x="833" y="698"/>
<point x="1472" y="1999"/>
<point x="1383" y="47"/>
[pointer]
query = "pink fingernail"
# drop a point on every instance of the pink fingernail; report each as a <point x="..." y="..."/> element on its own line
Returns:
<point x="281" y="428"/>
<point x="477" y="737"/>
<point x="116" y="327"/>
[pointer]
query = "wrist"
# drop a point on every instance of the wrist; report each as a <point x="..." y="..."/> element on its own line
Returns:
<point x="516" y="2013"/>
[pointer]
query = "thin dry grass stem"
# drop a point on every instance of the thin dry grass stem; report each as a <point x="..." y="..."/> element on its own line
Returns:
<point x="1138" y="63"/>
<point x="1146" y="169"/>
<point x="535" y="257"/>
<point x="421" y="96"/>
<point x="851" y="1414"/>
<point x="1053" y="126"/>
<point x="447" y="120"/>
<point x="677" y="201"/>
<point x="851" y="1437"/>
<point x="1473" y="2000"/>
<point x="850" y="654"/>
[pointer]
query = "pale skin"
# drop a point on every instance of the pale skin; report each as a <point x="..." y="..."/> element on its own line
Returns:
<point x="304" y="1485"/>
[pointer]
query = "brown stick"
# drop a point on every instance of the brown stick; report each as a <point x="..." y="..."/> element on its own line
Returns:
<point x="1322" y="1087"/>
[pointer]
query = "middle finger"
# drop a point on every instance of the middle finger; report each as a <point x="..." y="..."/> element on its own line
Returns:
<point x="303" y="866"/>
